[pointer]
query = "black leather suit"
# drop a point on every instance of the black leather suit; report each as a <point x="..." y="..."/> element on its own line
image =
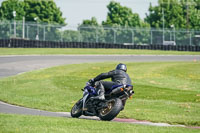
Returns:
<point x="118" y="77"/>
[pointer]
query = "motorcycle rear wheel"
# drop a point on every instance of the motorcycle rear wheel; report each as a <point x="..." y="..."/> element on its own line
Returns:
<point x="113" y="109"/>
<point x="76" y="110"/>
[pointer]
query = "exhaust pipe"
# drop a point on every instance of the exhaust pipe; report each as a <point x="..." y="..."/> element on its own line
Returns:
<point x="117" y="90"/>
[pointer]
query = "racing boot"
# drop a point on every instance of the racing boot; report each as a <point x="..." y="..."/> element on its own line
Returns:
<point x="100" y="90"/>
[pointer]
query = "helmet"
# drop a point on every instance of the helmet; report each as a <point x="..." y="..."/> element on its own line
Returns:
<point x="121" y="67"/>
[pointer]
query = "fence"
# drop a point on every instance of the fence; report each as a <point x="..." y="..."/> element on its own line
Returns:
<point x="98" y="34"/>
<point x="16" y="43"/>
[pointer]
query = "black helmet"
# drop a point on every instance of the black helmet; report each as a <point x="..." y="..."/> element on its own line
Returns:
<point x="121" y="67"/>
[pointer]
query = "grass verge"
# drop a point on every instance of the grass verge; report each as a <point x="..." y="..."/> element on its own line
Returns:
<point x="164" y="91"/>
<point x="39" y="124"/>
<point x="86" y="51"/>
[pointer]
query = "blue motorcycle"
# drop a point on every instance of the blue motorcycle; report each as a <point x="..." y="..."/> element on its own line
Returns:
<point x="107" y="109"/>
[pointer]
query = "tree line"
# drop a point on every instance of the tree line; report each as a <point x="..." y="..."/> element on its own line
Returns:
<point x="179" y="14"/>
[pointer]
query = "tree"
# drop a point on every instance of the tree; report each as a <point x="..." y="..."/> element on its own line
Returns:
<point x="193" y="13"/>
<point x="43" y="10"/>
<point x="93" y="21"/>
<point x="37" y="11"/>
<point x="180" y="13"/>
<point x="70" y="36"/>
<point x="121" y="15"/>
<point x="124" y="21"/>
<point x="91" y="31"/>
<point x="118" y="28"/>
<point x="197" y="4"/>
<point x="4" y="30"/>
<point x="7" y="7"/>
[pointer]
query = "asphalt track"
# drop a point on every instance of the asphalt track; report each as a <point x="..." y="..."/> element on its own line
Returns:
<point x="13" y="65"/>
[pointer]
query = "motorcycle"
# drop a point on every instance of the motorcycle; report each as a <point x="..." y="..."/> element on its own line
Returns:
<point x="107" y="109"/>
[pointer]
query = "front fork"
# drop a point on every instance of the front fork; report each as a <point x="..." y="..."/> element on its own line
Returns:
<point x="85" y="96"/>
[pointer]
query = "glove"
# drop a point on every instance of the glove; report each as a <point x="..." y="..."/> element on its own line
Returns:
<point x="91" y="81"/>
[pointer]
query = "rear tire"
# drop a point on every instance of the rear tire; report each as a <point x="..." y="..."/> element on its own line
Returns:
<point x="76" y="110"/>
<point x="113" y="109"/>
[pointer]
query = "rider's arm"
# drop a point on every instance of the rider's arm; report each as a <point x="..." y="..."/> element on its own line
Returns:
<point x="104" y="76"/>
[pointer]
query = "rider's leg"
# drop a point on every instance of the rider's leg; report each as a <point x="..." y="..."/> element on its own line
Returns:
<point x="108" y="84"/>
<point x="103" y="86"/>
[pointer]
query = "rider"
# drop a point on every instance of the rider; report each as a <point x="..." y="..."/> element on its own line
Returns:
<point x="118" y="76"/>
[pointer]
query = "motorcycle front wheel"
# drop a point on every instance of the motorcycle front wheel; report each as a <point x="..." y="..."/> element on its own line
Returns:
<point x="76" y="110"/>
<point x="114" y="106"/>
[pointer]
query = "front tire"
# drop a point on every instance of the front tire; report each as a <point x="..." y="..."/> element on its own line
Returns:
<point x="76" y="110"/>
<point x="113" y="109"/>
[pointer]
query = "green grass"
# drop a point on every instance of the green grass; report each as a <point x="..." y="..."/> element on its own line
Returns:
<point x="164" y="91"/>
<point x="67" y="51"/>
<point x="39" y="124"/>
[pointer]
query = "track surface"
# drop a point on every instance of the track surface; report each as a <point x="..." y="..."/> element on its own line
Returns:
<point x="12" y="65"/>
